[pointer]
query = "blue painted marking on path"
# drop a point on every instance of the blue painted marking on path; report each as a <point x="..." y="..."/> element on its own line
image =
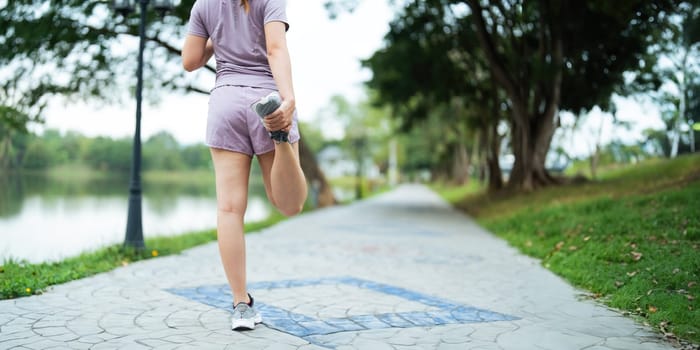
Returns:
<point x="310" y="328"/>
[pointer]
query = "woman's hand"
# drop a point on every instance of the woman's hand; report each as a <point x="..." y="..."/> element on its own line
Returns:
<point x="282" y="118"/>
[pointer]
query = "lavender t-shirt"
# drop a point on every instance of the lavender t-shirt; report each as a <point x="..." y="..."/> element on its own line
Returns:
<point x="239" y="38"/>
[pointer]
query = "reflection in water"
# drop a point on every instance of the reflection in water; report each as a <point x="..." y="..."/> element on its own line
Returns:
<point x="44" y="220"/>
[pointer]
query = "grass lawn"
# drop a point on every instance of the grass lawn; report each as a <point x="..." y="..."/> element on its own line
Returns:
<point x="631" y="238"/>
<point x="19" y="279"/>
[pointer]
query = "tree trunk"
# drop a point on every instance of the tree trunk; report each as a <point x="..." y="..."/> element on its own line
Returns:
<point x="460" y="164"/>
<point x="531" y="129"/>
<point x="531" y="141"/>
<point x="314" y="176"/>
<point x="595" y="158"/>
<point x="492" y="142"/>
<point x="494" y="150"/>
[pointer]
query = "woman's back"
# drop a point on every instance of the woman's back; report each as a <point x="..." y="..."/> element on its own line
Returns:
<point x="238" y="37"/>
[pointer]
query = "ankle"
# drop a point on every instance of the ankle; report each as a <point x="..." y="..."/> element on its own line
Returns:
<point x="248" y="299"/>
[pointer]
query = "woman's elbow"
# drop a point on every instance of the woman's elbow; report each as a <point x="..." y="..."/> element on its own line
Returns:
<point x="276" y="50"/>
<point x="189" y="65"/>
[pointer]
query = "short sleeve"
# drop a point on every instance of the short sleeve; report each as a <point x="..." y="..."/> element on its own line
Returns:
<point x="276" y="10"/>
<point x="196" y="24"/>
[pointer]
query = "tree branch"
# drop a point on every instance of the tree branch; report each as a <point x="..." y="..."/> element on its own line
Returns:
<point x="196" y="89"/>
<point x="557" y="52"/>
<point x="171" y="49"/>
<point x="499" y="71"/>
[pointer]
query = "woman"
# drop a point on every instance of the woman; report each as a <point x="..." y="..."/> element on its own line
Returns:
<point x="248" y="40"/>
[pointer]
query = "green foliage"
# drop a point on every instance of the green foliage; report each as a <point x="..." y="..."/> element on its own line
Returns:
<point x="37" y="156"/>
<point x="632" y="239"/>
<point x="679" y="100"/>
<point x="52" y="149"/>
<point x="107" y="154"/>
<point x="367" y="130"/>
<point x="67" y="48"/>
<point x="313" y="137"/>
<point x="521" y="61"/>
<point x="161" y="151"/>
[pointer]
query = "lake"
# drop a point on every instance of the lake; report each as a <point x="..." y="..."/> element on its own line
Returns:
<point x="48" y="218"/>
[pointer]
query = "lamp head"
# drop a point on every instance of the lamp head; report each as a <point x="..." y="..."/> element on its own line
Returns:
<point x="124" y="7"/>
<point x="163" y="6"/>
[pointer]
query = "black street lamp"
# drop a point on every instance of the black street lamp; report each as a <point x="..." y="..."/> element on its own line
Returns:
<point x="134" y="224"/>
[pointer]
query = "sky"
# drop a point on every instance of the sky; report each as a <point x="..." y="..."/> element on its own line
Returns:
<point x="326" y="58"/>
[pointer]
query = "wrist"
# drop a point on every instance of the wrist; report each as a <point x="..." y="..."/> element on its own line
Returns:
<point x="290" y="101"/>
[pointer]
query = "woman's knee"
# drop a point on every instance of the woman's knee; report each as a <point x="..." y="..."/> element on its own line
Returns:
<point x="231" y="208"/>
<point x="290" y="210"/>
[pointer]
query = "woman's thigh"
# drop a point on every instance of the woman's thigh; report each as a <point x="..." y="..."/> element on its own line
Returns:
<point x="232" y="172"/>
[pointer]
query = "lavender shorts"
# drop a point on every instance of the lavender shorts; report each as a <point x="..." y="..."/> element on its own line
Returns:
<point x="233" y="125"/>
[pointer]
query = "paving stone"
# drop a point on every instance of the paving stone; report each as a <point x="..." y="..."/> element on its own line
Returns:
<point x="631" y="343"/>
<point x="446" y="346"/>
<point x="44" y="344"/>
<point x="399" y="271"/>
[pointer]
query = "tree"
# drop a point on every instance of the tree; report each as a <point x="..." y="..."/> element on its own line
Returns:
<point x="543" y="56"/>
<point x="367" y="133"/>
<point x="682" y="76"/>
<point x="75" y="48"/>
<point x="537" y="50"/>
<point x="416" y="82"/>
<point x="161" y="151"/>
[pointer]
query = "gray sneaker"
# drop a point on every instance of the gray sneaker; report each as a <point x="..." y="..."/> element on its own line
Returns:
<point x="266" y="105"/>
<point x="245" y="316"/>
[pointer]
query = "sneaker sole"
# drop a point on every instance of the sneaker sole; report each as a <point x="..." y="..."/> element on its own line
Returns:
<point x="246" y="324"/>
<point x="267" y="104"/>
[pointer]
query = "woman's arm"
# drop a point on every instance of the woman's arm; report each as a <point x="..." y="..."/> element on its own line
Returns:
<point x="280" y="64"/>
<point x="196" y="52"/>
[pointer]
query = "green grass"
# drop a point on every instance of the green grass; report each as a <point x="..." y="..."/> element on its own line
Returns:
<point x="454" y="194"/>
<point x="632" y="238"/>
<point x="18" y="278"/>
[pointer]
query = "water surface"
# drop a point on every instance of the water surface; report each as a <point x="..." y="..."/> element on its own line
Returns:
<point x="46" y="219"/>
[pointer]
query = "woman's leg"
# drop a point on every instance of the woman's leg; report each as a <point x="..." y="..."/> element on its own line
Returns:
<point x="285" y="183"/>
<point x="232" y="172"/>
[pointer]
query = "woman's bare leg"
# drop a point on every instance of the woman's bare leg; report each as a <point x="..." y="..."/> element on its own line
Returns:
<point x="232" y="173"/>
<point x="285" y="183"/>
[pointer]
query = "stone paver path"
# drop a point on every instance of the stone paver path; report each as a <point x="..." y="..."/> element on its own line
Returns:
<point x="400" y="271"/>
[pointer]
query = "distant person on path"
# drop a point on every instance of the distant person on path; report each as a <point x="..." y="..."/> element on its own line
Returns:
<point x="253" y="77"/>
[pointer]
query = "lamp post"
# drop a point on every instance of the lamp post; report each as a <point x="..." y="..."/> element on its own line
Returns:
<point x="134" y="224"/>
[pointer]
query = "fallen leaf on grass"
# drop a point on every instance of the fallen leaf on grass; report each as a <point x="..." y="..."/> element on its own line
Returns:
<point x="650" y="291"/>
<point x="632" y="273"/>
<point x="619" y="284"/>
<point x="636" y="256"/>
<point x="691" y="284"/>
<point x="559" y="245"/>
<point x="585" y="239"/>
<point x="573" y="247"/>
<point x="690" y="297"/>
<point x="653" y="309"/>
<point x="676" y="270"/>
